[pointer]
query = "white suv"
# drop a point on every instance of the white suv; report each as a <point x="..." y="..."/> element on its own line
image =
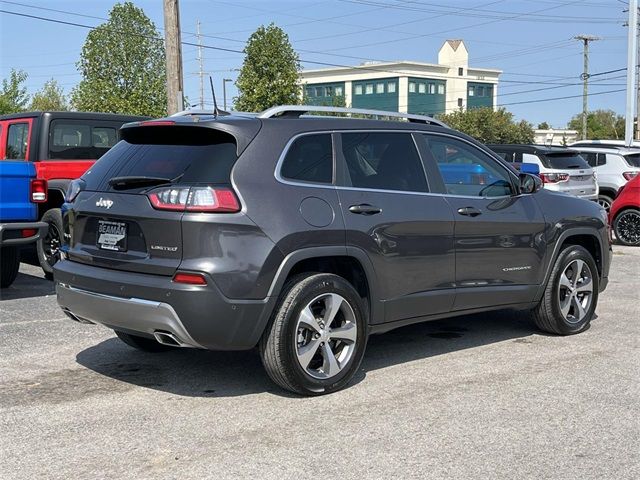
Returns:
<point x="614" y="168"/>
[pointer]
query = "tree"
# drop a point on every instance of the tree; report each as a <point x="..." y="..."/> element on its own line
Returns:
<point x="13" y="94"/>
<point x="51" y="98"/>
<point x="544" y="126"/>
<point x="490" y="126"/>
<point x="601" y="125"/>
<point x="270" y="72"/>
<point x="123" y="66"/>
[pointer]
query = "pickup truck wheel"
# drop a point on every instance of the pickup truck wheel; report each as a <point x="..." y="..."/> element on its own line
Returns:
<point x="571" y="294"/>
<point x="9" y="265"/>
<point x="317" y="337"/>
<point x="626" y="226"/>
<point x="49" y="246"/>
<point x="142" y="343"/>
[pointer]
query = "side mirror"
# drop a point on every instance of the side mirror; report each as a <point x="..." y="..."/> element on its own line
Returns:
<point x="529" y="183"/>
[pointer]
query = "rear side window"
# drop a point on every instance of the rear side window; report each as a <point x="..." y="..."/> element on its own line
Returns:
<point x="383" y="161"/>
<point x="78" y="140"/>
<point x="633" y="160"/>
<point x="563" y="161"/>
<point x="209" y="160"/>
<point x="17" y="139"/>
<point x="309" y="159"/>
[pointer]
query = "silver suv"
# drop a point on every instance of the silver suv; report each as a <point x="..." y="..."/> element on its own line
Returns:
<point x="614" y="168"/>
<point x="561" y="169"/>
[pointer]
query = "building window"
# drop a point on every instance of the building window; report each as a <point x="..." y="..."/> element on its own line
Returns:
<point x="329" y="91"/>
<point x="311" y="92"/>
<point x="460" y="71"/>
<point x="440" y="89"/>
<point x="460" y="102"/>
<point x="472" y="91"/>
<point x="358" y="89"/>
<point x="488" y="91"/>
<point x="368" y="89"/>
<point x="391" y="87"/>
<point x="481" y="91"/>
<point x="422" y="88"/>
<point x="379" y="87"/>
<point x="412" y="87"/>
<point x="319" y="91"/>
<point x="432" y="88"/>
<point x="338" y="92"/>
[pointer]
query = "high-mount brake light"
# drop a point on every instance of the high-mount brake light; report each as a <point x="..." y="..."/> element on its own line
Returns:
<point x="189" y="278"/>
<point x="38" y="190"/>
<point x="195" y="199"/>
<point x="156" y="123"/>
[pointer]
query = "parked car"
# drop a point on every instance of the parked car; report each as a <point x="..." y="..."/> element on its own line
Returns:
<point x="624" y="215"/>
<point x="303" y="236"/>
<point x="604" y="144"/>
<point x="62" y="146"/>
<point x="20" y="192"/>
<point x="614" y="167"/>
<point x="561" y="169"/>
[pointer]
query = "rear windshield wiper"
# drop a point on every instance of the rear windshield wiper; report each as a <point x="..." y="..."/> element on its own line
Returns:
<point x="125" y="183"/>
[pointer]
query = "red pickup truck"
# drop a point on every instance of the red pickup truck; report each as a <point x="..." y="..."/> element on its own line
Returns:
<point x="62" y="146"/>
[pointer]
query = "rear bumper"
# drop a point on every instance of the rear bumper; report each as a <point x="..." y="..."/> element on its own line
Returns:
<point x="147" y="305"/>
<point x="10" y="233"/>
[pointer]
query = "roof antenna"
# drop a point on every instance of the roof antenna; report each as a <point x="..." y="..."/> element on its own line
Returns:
<point x="216" y="110"/>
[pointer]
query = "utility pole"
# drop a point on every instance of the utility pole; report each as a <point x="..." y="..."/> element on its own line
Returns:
<point x="201" y="66"/>
<point x="224" y="91"/>
<point x="632" y="62"/>
<point x="173" y="50"/>
<point x="585" y="79"/>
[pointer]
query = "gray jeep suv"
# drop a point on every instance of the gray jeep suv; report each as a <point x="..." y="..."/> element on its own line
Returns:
<point x="304" y="234"/>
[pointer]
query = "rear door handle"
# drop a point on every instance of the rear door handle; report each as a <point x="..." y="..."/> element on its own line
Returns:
<point x="365" y="209"/>
<point x="469" y="211"/>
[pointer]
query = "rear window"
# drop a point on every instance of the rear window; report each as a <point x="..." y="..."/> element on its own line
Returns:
<point x="209" y="161"/>
<point x="633" y="160"/>
<point x="563" y="161"/>
<point x="78" y="140"/>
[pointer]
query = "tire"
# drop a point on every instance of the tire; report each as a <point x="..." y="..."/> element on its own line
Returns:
<point x="605" y="201"/>
<point x="564" y="288"/>
<point x="626" y="226"/>
<point x="290" y="339"/>
<point x="9" y="265"/>
<point x="49" y="246"/>
<point x="142" y="343"/>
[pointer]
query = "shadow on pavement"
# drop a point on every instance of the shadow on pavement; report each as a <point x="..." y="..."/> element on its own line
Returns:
<point x="27" y="285"/>
<point x="196" y="373"/>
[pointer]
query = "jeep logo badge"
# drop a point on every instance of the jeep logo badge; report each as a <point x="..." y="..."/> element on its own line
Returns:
<point x="104" y="202"/>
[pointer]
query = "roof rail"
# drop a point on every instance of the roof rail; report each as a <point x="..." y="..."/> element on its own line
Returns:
<point x="188" y="113"/>
<point x="296" y="111"/>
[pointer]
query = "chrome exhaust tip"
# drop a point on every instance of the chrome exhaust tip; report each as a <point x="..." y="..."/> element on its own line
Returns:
<point x="76" y="318"/>
<point x="169" y="339"/>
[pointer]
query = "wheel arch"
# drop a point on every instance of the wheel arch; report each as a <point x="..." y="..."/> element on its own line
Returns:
<point x="56" y="190"/>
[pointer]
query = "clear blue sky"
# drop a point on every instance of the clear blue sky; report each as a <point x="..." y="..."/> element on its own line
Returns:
<point x="531" y="41"/>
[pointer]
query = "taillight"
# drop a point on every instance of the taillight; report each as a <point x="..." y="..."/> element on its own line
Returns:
<point x="629" y="175"/>
<point x="554" y="177"/>
<point x="28" y="232"/>
<point x="38" y="190"/>
<point x="189" y="278"/>
<point x="75" y="187"/>
<point x="195" y="199"/>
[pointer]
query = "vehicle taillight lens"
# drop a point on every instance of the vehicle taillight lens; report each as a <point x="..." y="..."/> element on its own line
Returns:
<point x="75" y="187"/>
<point x="195" y="199"/>
<point x="554" y="177"/>
<point x="629" y="175"/>
<point x="190" y="278"/>
<point x="28" y="232"/>
<point x="38" y="190"/>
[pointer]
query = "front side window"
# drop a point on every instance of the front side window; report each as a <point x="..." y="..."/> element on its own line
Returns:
<point x="467" y="170"/>
<point x="17" y="140"/>
<point x="309" y="159"/>
<point x="75" y="140"/>
<point x="383" y="161"/>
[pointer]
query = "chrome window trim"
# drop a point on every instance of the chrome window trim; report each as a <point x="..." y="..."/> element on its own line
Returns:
<point x="333" y="186"/>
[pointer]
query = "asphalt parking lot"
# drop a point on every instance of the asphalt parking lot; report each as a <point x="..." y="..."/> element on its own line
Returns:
<point x="482" y="396"/>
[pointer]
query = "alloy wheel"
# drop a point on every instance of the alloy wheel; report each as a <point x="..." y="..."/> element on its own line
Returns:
<point x="604" y="203"/>
<point x="51" y="245"/>
<point x="576" y="291"/>
<point x="326" y="335"/>
<point x="627" y="227"/>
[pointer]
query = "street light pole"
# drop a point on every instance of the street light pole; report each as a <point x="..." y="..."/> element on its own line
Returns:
<point x="224" y="91"/>
<point x="585" y="79"/>
<point x="173" y="48"/>
<point x="632" y="61"/>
